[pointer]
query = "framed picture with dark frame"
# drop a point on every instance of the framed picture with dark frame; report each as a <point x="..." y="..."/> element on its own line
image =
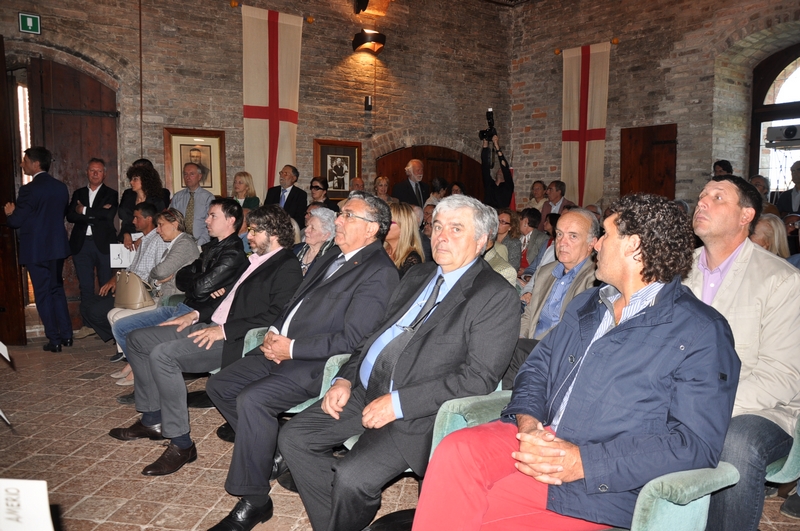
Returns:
<point x="204" y="147"/>
<point x="338" y="161"/>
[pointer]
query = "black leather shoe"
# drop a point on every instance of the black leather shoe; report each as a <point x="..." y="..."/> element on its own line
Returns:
<point x="279" y="467"/>
<point x="244" y="517"/>
<point x="52" y="347"/>
<point x="137" y="431"/>
<point x="126" y="400"/>
<point x="226" y="433"/>
<point x="66" y="342"/>
<point x="171" y="461"/>
<point x="791" y="507"/>
<point x="199" y="400"/>
<point x="286" y="481"/>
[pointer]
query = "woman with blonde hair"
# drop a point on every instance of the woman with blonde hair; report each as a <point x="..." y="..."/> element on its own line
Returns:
<point x="244" y="191"/>
<point x="402" y="242"/>
<point x="382" y="190"/>
<point x="770" y="234"/>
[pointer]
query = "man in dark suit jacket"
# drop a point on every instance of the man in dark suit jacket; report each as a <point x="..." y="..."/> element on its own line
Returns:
<point x="412" y="191"/>
<point x="92" y="211"/>
<point x="43" y="244"/>
<point x="340" y="302"/>
<point x="289" y="197"/>
<point x="201" y="338"/>
<point x="461" y="349"/>
<point x="556" y="201"/>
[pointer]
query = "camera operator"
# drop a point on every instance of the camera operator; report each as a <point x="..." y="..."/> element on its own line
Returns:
<point x="497" y="190"/>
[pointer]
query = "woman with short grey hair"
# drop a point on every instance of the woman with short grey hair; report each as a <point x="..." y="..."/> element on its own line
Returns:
<point x="320" y="231"/>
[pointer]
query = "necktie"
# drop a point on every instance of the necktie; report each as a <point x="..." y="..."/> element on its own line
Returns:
<point x="283" y="197"/>
<point x="335" y="265"/>
<point x="419" y="194"/>
<point x="381" y="376"/>
<point x="188" y="217"/>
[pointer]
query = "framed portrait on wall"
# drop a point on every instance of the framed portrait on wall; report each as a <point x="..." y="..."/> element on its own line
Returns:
<point x="337" y="161"/>
<point x="203" y="147"/>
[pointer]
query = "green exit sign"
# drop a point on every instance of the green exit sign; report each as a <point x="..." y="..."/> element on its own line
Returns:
<point x="30" y="23"/>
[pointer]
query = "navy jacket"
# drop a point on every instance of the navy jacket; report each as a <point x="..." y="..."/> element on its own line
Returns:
<point x="100" y="218"/>
<point x="654" y="396"/>
<point x="39" y="216"/>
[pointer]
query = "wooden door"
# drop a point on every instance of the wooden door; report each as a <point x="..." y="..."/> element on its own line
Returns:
<point x="647" y="160"/>
<point x="438" y="162"/>
<point x="12" y="293"/>
<point x="75" y="117"/>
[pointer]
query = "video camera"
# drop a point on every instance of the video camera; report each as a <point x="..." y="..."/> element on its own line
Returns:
<point x="490" y="131"/>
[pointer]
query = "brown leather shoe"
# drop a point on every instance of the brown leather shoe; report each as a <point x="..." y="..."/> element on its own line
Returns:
<point x="171" y="461"/>
<point x="137" y="431"/>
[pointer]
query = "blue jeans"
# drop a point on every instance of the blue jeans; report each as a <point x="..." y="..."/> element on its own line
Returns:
<point x="126" y="325"/>
<point x="752" y="443"/>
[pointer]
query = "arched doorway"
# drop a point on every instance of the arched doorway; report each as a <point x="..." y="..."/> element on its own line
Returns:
<point x="75" y="117"/>
<point x="438" y="161"/>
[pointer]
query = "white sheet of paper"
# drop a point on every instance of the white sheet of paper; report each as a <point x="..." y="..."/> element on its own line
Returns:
<point x="120" y="256"/>
<point x="25" y="505"/>
<point x="4" y="351"/>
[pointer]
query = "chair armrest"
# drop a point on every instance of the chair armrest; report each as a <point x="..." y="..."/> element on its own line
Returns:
<point x="332" y="366"/>
<point x="787" y="469"/>
<point x="467" y="412"/>
<point x="254" y="338"/>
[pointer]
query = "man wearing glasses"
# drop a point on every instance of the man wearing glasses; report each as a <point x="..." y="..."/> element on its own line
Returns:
<point x="200" y="340"/>
<point x="341" y="301"/>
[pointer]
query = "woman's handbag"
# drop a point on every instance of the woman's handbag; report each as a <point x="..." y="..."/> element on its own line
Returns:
<point x="132" y="292"/>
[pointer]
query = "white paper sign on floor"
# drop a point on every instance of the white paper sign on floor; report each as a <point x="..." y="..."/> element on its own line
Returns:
<point x="24" y="505"/>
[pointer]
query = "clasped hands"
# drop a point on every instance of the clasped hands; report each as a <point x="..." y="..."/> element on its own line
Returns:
<point x="276" y="347"/>
<point x="545" y="457"/>
<point x="375" y="415"/>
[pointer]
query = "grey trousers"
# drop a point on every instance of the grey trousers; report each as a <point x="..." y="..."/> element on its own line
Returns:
<point x="158" y="356"/>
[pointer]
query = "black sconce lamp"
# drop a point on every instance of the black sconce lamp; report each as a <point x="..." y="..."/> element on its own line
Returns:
<point x="369" y="40"/>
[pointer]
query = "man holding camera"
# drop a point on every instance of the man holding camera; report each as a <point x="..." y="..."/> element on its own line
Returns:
<point x="499" y="189"/>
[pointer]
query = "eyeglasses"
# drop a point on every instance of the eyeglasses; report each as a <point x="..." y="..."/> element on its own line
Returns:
<point x="349" y="216"/>
<point x="316" y="188"/>
<point x="253" y="230"/>
<point x="504" y="222"/>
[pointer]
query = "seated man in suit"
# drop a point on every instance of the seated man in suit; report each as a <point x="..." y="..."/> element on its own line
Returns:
<point x="198" y="341"/>
<point x="412" y="191"/>
<point x="288" y="196"/>
<point x="759" y="295"/>
<point x="340" y="302"/>
<point x="557" y="283"/>
<point x="92" y="211"/>
<point x="607" y="401"/>
<point x="449" y="332"/>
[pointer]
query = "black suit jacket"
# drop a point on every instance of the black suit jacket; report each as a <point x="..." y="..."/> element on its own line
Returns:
<point x="462" y="349"/>
<point x="258" y="300"/>
<point x="100" y="218"/>
<point x="405" y="193"/>
<point x="39" y="216"/>
<point x="336" y="314"/>
<point x="296" y="203"/>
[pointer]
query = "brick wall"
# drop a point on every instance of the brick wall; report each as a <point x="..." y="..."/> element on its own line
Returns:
<point x="443" y="64"/>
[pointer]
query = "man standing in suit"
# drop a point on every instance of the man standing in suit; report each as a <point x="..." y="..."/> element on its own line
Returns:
<point x="92" y="212"/>
<point x="193" y="202"/>
<point x="289" y="197"/>
<point x="340" y="302"/>
<point x="412" y="191"/>
<point x="759" y="294"/>
<point x="556" y="201"/>
<point x="198" y="341"/>
<point x="449" y="332"/>
<point x="789" y="201"/>
<point x="43" y="244"/>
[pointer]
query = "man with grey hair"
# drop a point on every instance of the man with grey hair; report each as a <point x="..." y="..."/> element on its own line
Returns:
<point x="412" y="191"/>
<point x="557" y="283"/>
<point x="763" y="186"/>
<point x="449" y="332"/>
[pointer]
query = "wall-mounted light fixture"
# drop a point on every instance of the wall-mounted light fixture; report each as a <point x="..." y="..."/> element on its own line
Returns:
<point x="369" y="40"/>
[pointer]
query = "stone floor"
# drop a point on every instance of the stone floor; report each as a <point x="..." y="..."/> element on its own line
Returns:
<point x="62" y="406"/>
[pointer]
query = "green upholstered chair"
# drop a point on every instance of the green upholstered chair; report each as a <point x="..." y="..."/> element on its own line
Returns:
<point x="787" y="469"/>
<point x="173" y="300"/>
<point x="673" y="502"/>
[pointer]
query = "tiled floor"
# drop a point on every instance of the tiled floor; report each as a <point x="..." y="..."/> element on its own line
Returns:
<point x="62" y="406"/>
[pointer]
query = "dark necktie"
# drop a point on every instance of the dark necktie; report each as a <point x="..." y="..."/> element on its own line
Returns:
<point x="419" y="194"/>
<point x="381" y="376"/>
<point x="188" y="218"/>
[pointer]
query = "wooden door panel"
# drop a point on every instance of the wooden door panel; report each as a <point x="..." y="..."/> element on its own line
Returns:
<point x="647" y="160"/>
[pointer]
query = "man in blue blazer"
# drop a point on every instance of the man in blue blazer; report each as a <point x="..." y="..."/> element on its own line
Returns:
<point x="340" y="301"/>
<point x="43" y="244"/>
<point x="288" y="196"/>
<point x="412" y="191"/>
<point x="449" y="332"/>
<point x="92" y="212"/>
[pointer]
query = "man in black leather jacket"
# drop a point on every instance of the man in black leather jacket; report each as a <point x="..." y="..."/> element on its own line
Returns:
<point x="497" y="190"/>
